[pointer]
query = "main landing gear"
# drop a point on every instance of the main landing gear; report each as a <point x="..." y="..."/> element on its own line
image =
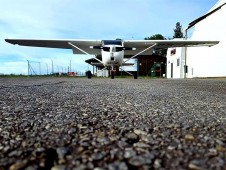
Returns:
<point x="135" y="75"/>
<point x="89" y="74"/>
<point x="112" y="74"/>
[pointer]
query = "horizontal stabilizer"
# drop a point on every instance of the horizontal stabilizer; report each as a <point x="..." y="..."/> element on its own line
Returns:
<point x="127" y="64"/>
<point x="100" y="64"/>
<point x="97" y="64"/>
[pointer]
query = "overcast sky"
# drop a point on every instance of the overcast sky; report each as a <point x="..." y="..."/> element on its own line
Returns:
<point x="85" y="19"/>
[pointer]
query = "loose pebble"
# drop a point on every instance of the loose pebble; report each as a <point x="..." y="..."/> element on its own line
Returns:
<point x="78" y="123"/>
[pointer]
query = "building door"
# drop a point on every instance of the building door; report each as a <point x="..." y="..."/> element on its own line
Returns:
<point x="171" y="70"/>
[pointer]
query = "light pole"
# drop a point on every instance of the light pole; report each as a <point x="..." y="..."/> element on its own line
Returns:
<point x="47" y="69"/>
<point x="70" y="65"/>
<point x="28" y="68"/>
<point x="52" y="68"/>
<point x="39" y="68"/>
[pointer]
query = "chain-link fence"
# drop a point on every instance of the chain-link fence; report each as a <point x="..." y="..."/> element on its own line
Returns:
<point x="40" y="68"/>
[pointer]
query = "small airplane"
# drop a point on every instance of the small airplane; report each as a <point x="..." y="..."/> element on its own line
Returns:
<point x="112" y="51"/>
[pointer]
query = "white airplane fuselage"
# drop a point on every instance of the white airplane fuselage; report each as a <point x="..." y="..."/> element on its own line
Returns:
<point x="111" y="56"/>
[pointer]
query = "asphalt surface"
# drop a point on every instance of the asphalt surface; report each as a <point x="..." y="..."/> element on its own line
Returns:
<point x="79" y="123"/>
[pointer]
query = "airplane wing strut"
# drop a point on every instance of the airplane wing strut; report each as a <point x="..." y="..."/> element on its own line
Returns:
<point x="141" y="52"/>
<point x="84" y="51"/>
<point x="78" y="48"/>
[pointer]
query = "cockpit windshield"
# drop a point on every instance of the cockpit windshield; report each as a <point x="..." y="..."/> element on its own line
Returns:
<point x="112" y="42"/>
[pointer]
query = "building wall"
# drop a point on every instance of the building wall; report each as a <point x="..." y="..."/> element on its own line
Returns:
<point x="209" y="61"/>
<point x="102" y="73"/>
<point x="175" y="62"/>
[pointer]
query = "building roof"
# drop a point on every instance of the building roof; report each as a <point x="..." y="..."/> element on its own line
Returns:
<point x="215" y="8"/>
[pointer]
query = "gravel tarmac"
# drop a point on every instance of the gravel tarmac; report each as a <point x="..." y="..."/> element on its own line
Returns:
<point x="120" y="124"/>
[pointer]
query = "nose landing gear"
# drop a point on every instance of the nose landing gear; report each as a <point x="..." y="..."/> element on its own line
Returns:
<point x="112" y="72"/>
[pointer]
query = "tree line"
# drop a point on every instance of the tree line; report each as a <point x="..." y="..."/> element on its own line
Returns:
<point x="178" y="33"/>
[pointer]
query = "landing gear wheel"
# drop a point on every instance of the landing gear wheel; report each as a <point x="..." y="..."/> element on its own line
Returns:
<point x="112" y="74"/>
<point x="89" y="74"/>
<point x="135" y="75"/>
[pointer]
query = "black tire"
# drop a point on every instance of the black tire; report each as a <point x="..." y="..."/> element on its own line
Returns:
<point x="112" y="74"/>
<point x="89" y="74"/>
<point x="135" y="75"/>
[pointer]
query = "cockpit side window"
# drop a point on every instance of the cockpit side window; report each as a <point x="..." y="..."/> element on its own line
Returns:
<point x="119" y="49"/>
<point x="106" y="49"/>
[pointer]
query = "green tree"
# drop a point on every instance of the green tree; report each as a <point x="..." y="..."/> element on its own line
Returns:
<point x="159" y="51"/>
<point x="156" y="37"/>
<point x="178" y="33"/>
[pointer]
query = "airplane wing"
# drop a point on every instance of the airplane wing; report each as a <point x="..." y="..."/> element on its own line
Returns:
<point x="141" y="45"/>
<point x="65" y="44"/>
<point x="79" y="46"/>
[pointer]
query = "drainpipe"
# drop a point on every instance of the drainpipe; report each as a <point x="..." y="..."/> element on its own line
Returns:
<point x="185" y="55"/>
<point x="138" y="64"/>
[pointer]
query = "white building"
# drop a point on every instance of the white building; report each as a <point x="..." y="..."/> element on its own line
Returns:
<point x="202" y="61"/>
<point x="175" y="62"/>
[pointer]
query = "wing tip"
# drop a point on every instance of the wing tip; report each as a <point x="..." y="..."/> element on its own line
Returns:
<point x="10" y="41"/>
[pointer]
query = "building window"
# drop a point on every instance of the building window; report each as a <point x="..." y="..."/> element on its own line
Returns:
<point x="178" y="62"/>
<point x="173" y="51"/>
